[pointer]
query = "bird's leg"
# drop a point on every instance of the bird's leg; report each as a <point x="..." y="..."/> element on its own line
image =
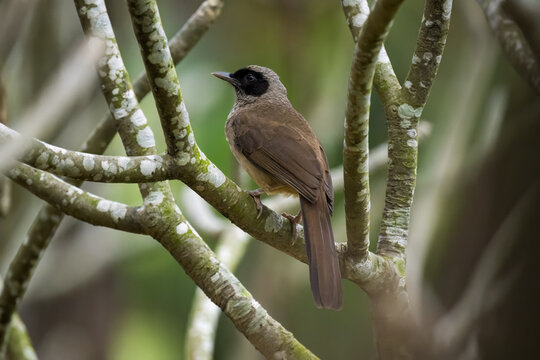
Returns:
<point x="256" y="195"/>
<point x="294" y="221"/>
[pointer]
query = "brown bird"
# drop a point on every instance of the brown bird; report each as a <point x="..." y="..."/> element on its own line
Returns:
<point x="280" y="151"/>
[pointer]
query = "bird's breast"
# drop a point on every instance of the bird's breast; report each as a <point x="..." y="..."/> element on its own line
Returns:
<point x="264" y="180"/>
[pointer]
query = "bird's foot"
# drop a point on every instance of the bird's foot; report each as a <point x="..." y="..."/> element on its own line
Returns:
<point x="295" y="220"/>
<point x="256" y="195"/>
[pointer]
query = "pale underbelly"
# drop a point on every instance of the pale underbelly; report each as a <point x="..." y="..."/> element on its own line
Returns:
<point x="264" y="180"/>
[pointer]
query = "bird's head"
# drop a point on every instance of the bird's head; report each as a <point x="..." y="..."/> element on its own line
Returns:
<point x="254" y="82"/>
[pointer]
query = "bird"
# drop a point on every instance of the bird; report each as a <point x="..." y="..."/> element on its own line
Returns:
<point x="279" y="150"/>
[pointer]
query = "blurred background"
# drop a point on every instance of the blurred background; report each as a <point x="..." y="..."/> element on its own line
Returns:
<point x="103" y="294"/>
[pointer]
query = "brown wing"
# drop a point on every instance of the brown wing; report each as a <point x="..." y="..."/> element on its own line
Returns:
<point x="327" y="183"/>
<point x="282" y="144"/>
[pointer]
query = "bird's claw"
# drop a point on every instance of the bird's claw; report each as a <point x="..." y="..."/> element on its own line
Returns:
<point x="256" y="195"/>
<point x="294" y="221"/>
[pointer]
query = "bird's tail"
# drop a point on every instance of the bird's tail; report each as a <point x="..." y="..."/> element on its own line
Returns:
<point x="324" y="273"/>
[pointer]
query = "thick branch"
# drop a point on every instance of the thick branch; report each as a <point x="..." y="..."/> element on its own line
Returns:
<point x="385" y="80"/>
<point x="73" y="201"/>
<point x="89" y="167"/>
<point x="188" y="36"/>
<point x="202" y="176"/>
<point x="512" y="41"/>
<point x="403" y="117"/>
<point x="133" y="128"/>
<point x="162" y="76"/>
<point x="204" y="313"/>
<point x="356" y="148"/>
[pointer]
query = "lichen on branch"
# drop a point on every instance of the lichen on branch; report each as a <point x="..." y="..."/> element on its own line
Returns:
<point x="385" y="79"/>
<point x="402" y="119"/>
<point x="356" y="146"/>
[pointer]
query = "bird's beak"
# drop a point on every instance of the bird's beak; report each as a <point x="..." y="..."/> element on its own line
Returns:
<point x="226" y="76"/>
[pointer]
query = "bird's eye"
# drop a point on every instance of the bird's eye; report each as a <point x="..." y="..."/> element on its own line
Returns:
<point x="250" y="77"/>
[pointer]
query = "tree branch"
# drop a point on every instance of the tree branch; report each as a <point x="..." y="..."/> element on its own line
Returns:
<point x="428" y="53"/>
<point x="385" y="79"/>
<point x="162" y="75"/>
<point x="18" y="342"/>
<point x="19" y="346"/>
<point x="526" y="13"/>
<point x="356" y="147"/>
<point x="512" y="41"/>
<point x="73" y="201"/>
<point x="133" y="128"/>
<point x="212" y="185"/>
<point x="186" y="38"/>
<point x="48" y="218"/>
<point x="89" y="167"/>
<point x="204" y="313"/>
<point x="403" y="117"/>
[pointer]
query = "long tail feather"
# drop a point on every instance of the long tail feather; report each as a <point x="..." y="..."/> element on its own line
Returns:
<point x="324" y="272"/>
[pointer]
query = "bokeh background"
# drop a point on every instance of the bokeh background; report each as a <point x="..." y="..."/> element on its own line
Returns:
<point x="103" y="294"/>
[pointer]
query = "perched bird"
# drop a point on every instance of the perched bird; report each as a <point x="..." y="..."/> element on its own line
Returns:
<point x="280" y="151"/>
